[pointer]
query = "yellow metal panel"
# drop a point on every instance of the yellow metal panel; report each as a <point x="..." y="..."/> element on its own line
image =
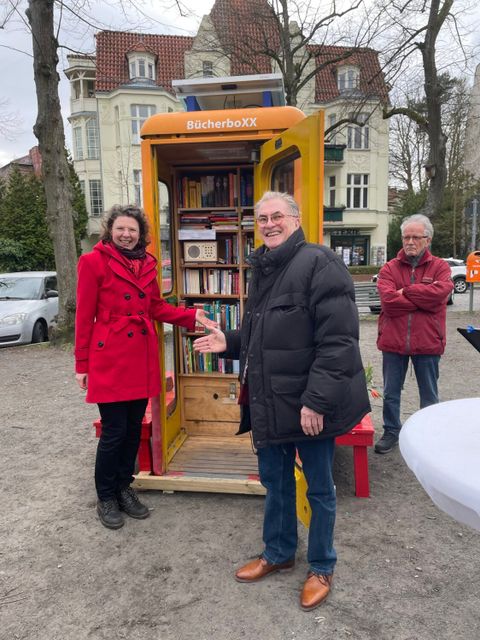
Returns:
<point x="304" y="513"/>
<point x="305" y="139"/>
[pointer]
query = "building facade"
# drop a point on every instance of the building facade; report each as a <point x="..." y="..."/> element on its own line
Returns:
<point x="130" y="78"/>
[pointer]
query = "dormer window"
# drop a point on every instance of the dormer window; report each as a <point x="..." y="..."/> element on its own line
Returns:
<point x="348" y="78"/>
<point x="141" y="66"/>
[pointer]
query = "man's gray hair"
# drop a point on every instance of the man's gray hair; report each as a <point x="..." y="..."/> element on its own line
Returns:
<point x="286" y="197"/>
<point x="419" y="217"/>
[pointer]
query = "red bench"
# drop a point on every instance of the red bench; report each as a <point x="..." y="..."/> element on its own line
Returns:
<point x="360" y="437"/>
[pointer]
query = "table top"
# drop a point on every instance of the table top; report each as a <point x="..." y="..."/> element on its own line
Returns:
<point x="441" y="445"/>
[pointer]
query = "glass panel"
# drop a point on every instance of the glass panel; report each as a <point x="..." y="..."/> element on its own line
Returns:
<point x="169" y="334"/>
<point x="283" y="176"/>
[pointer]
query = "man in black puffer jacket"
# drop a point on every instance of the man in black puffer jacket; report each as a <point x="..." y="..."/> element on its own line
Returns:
<point x="303" y="383"/>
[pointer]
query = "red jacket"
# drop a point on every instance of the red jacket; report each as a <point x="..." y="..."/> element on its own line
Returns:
<point x="115" y="337"/>
<point x="414" y="322"/>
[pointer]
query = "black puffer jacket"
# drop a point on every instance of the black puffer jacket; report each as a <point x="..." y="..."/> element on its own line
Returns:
<point x="300" y="331"/>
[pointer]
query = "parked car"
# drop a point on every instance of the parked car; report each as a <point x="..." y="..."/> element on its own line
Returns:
<point x="28" y="306"/>
<point x="376" y="309"/>
<point x="459" y="274"/>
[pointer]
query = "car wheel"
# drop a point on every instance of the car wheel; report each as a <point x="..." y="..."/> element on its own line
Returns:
<point x="460" y="285"/>
<point x="39" y="333"/>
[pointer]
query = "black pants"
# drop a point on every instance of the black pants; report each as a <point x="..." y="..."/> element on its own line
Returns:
<point x="118" y="445"/>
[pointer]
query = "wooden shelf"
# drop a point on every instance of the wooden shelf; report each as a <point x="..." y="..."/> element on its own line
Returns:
<point x="208" y="265"/>
<point x="212" y="296"/>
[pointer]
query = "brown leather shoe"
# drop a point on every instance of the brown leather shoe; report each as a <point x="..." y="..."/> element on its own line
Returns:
<point x="259" y="568"/>
<point x="315" y="590"/>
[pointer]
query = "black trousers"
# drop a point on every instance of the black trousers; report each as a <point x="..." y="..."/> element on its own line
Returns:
<point x="118" y="445"/>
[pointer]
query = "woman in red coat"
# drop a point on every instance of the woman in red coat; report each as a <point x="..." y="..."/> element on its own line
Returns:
<point x="116" y="351"/>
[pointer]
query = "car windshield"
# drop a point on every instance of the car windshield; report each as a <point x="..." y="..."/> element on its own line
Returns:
<point x="12" y="288"/>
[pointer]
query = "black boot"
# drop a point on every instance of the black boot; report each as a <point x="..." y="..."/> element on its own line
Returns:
<point x="128" y="501"/>
<point x="387" y="442"/>
<point x="109" y="514"/>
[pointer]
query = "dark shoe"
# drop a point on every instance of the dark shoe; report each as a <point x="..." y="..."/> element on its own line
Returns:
<point x="259" y="568"/>
<point x="315" y="590"/>
<point x="109" y="514"/>
<point x="387" y="442"/>
<point x="128" y="501"/>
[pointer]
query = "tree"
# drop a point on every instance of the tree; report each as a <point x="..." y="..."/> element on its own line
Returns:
<point x="418" y="24"/>
<point x="25" y="239"/>
<point x="258" y="36"/>
<point x="49" y="131"/>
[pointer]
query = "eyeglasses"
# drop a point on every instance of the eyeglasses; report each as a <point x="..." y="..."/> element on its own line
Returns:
<point x="275" y="218"/>
<point x="414" y="238"/>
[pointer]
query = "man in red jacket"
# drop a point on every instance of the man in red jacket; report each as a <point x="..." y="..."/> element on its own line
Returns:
<point x="414" y="288"/>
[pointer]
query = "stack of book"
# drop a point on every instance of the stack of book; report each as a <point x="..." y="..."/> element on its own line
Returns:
<point x="212" y="190"/>
<point x="195" y="362"/>
<point x="211" y="281"/>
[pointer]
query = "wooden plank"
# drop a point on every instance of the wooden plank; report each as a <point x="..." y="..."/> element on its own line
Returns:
<point x="199" y="483"/>
<point x="207" y="428"/>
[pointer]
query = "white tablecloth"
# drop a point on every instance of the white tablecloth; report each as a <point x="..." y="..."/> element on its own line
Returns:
<point x="441" y="445"/>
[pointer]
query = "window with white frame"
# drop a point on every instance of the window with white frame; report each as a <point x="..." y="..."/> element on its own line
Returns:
<point x="358" y="136"/>
<point x="92" y="139"/>
<point x="90" y="88"/>
<point x="357" y="190"/>
<point x="137" y="186"/>
<point x="332" y="184"/>
<point x="139" y="113"/>
<point x="141" y="66"/>
<point x="78" y="142"/>
<point x="96" y="198"/>
<point x="348" y="78"/>
<point x="207" y="68"/>
<point x="331" y="120"/>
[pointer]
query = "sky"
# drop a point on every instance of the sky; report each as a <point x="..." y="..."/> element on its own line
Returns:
<point x="17" y="89"/>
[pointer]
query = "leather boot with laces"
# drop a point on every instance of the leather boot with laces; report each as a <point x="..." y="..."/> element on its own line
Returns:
<point x="128" y="501"/>
<point x="387" y="442"/>
<point x="109" y="514"/>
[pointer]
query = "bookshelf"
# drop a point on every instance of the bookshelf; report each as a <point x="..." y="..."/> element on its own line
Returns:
<point x="214" y="235"/>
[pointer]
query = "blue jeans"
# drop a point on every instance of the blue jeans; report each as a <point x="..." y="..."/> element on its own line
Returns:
<point x="276" y="465"/>
<point x="394" y="371"/>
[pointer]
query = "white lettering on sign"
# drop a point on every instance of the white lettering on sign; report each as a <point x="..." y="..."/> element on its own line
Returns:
<point x="198" y="125"/>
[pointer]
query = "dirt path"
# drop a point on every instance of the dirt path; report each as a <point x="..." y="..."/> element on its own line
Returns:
<point x="406" y="571"/>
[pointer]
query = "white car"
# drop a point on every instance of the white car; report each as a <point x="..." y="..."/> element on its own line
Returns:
<point x="28" y="306"/>
<point x="459" y="274"/>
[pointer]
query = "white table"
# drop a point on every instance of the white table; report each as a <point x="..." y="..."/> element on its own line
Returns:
<point x="441" y="445"/>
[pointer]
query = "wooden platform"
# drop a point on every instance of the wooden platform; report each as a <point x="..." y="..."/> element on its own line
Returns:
<point x="212" y="464"/>
<point x="215" y="455"/>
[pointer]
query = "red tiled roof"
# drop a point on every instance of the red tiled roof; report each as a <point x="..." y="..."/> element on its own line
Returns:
<point x="240" y="36"/>
<point x="112" y="67"/>
<point x="372" y="82"/>
<point x="140" y="47"/>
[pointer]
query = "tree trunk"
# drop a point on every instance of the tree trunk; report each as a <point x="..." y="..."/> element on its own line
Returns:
<point x="433" y="91"/>
<point x="49" y="131"/>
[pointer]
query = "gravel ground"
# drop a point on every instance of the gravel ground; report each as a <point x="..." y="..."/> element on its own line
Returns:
<point x="406" y="571"/>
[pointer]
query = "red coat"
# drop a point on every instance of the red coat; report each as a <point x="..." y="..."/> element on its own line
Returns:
<point x="414" y="323"/>
<point x="115" y="337"/>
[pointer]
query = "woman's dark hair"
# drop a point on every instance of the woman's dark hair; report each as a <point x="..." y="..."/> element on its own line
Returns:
<point x="131" y="211"/>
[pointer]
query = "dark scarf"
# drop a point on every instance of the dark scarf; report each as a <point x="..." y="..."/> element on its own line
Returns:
<point x="138" y="253"/>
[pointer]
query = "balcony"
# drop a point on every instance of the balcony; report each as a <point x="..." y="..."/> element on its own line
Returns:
<point x="334" y="153"/>
<point x="333" y="214"/>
